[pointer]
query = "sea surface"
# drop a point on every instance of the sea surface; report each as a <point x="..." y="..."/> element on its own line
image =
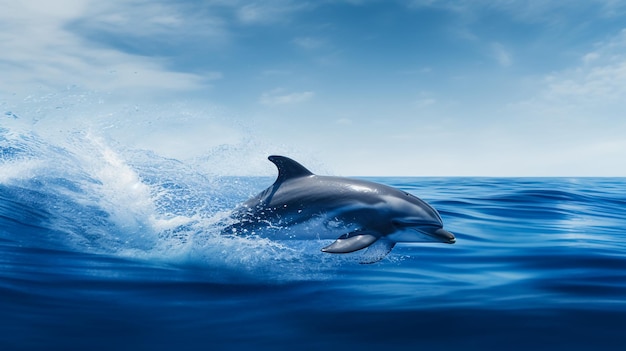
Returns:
<point x="108" y="248"/>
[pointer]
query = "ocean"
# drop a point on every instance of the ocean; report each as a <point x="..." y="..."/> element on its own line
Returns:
<point x="108" y="248"/>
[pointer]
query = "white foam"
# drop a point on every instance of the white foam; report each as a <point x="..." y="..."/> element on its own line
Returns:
<point x="119" y="190"/>
<point x="107" y="197"/>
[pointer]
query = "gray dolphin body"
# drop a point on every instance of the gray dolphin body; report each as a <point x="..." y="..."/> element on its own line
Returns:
<point x="357" y="213"/>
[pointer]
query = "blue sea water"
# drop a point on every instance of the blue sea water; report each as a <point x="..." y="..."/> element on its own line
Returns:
<point x="103" y="247"/>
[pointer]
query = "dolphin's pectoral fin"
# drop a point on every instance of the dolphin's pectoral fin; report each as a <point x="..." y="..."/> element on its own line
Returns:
<point x="377" y="251"/>
<point x="351" y="242"/>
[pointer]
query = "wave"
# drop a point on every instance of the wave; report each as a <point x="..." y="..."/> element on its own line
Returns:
<point x="98" y="231"/>
<point x="86" y="193"/>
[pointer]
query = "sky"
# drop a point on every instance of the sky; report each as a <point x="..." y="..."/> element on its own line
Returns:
<point x="405" y="88"/>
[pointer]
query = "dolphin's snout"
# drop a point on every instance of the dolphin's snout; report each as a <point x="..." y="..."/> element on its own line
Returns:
<point x="445" y="236"/>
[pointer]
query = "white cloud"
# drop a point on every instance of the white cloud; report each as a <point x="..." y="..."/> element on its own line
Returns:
<point x="155" y="19"/>
<point x="38" y="50"/>
<point x="599" y="80"/>
<point x="309" y="43"/>
<point x="279" y="97"/>
<point x="612" y="8"/>
<point x="344" y="121"/>
<point x="269" y="11"/>
<point x="573" y="123"/>
<point x="529" y="11"/>
<point x="591" y="91"/>
<point x="501" y="54"/>
<point x="425" y="102"/>
<point x="424" y="99"/>
<point x="275" y="72"/>
<point x="590" y="57"/>
<point x="254" y="13"/>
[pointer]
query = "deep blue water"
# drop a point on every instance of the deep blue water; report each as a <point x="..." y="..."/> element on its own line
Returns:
<point x="105" y="248"/>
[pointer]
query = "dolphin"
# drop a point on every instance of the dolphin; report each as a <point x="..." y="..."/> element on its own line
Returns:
<point x="356" y="213"/>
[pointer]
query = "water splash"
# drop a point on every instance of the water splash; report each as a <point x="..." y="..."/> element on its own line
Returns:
<point x="94" y="193"/>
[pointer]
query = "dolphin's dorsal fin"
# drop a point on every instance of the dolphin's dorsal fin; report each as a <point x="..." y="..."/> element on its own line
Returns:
<point x="288" y="168"/>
